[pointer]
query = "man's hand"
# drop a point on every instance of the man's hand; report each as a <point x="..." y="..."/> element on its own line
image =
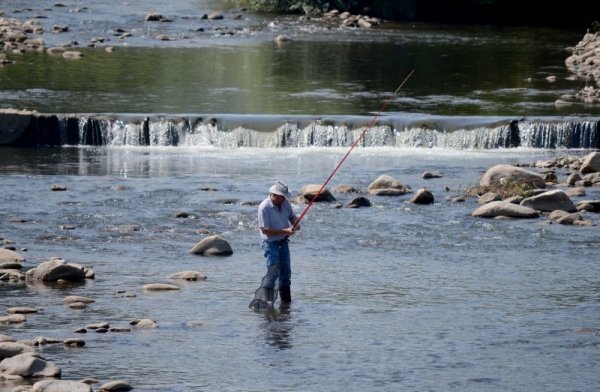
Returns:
<point x="288" y="232"/>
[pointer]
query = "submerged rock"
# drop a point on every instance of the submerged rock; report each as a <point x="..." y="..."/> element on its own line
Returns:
<point x="160" y="287"/>
<point x="188" y="275"/>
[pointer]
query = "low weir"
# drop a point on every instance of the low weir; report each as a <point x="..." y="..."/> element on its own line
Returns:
<point x="22" y="128"/>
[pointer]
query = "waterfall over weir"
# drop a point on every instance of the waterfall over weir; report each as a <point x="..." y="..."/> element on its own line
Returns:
<point x="233" y="131"/>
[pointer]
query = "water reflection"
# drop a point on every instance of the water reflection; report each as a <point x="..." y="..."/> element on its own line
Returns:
<point x="458" y="72"/>
<point x="278" y="327"/>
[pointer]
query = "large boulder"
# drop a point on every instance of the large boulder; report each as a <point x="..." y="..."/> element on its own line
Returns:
<point x="29" y="365"/>
<point x="591" y="163"/>
<point x="56" y="269"/>
<point x="550" y="201"/>
<point x="308" y="193"/>
<point x="10" y="349"/>
<point x="503" y="174"/>
<point x="503" y="208"/>
<point x="385" y="185"/>
<point x="212" y="246"/>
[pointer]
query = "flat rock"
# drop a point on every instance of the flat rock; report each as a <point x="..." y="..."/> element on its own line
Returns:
<point x="160" y="287"/>
<point x="13" y="319"/>
<point x="61" y="386"/>
<point x="21" y="310"/>
<point x="502" y="208"/>
<point x="117" y="385"/>
<point x="76" y="298"/>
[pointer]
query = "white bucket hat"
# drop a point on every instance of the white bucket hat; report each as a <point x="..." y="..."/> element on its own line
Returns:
<point x="280" y="188"/>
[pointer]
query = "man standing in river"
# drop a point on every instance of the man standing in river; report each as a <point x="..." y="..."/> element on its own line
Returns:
<point x="276" y="221"/>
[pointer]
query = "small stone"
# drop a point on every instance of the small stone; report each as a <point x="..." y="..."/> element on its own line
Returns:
<point x="58" y="187"/>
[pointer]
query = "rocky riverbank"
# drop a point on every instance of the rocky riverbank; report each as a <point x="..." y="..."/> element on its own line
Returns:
<point x="584" y="63"/>
<point x="48" y="30"/>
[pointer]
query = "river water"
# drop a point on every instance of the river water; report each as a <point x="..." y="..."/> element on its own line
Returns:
<point x="392" y="297"/>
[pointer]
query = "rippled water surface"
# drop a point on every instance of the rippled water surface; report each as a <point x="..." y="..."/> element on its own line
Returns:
<point x="392" y="297"/>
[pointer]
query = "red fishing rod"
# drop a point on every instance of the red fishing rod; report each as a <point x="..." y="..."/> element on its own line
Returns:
<point x="352" y="148"/>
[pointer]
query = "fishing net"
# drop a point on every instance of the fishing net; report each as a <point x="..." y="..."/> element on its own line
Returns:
<point x="265" y="296"/>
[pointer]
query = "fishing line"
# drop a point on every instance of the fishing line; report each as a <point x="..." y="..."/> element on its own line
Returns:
<point x="351" y="148"/>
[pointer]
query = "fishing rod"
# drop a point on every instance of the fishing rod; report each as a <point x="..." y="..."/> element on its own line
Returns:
<point x="351" y="148"/>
